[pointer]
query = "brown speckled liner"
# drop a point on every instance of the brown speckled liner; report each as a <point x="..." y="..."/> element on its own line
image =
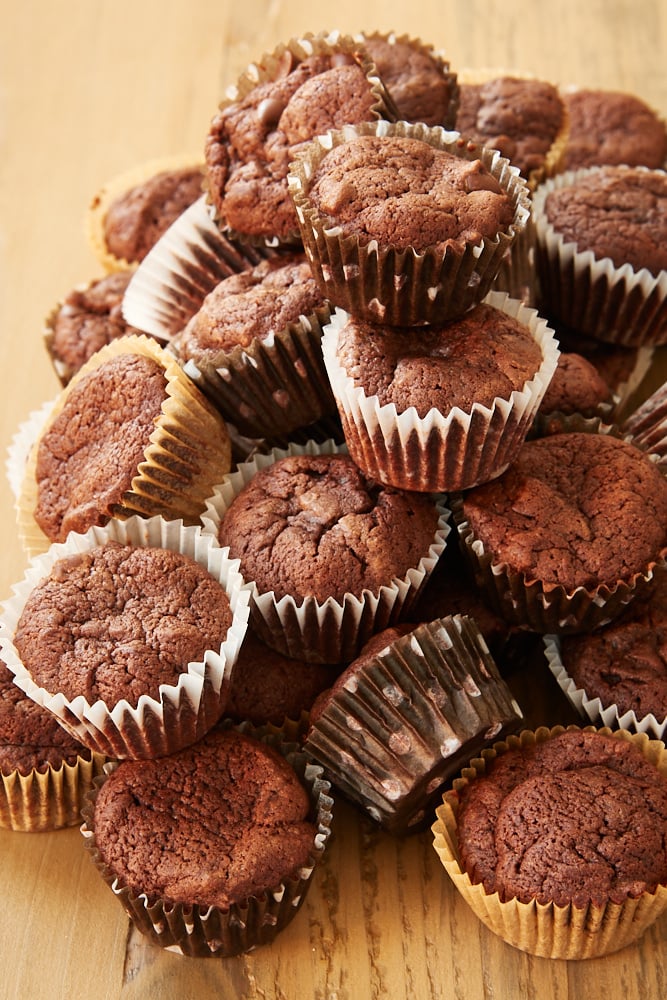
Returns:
<point x="47" y="799"/>
<point x="403" y="287"/>
<point x="407" y="722"/>
<point x="438" y="453"/>
<point x="617" y="305"/>
<point x="332" y="632"/>
<point x="187" y="453"/>
<point x="183" y="712"/>
<point x="562" y="932"/>
<point x="205" y="932"/>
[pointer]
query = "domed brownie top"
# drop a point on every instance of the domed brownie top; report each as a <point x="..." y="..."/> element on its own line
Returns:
<point x="136" y="219"/>
<point x="610" y="126"/>
<point x="404" y="193"/>
<point x="88" y="457"/>
<point x="115" y="622"/>
<point x="519" y="117"/>
<point x="211" y="825"/>
<point x="484" y="355"/>
<point x="252" y="140"/>
<point x="89" y="318"/>
<point x="625" y="663"/>
<point x="314" y="526"/>
<point x="254" y="303"/>
<point x="617" y="212"/>
<point x="575" y="510"/>
<point x="575" y="387"/>
<point x="577" y="819"/>
<point x="31" y="738"/>
<point x="421" y="86"/>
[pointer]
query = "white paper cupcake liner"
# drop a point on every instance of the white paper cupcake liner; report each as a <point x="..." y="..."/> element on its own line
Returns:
<point x="439" y="453"/>
<point x="184" y="711"/>
<point x="410" y="719"/>
<point x="592" y="708"/>
<point x="332" y="631"/>
<point x="617" y="305"/>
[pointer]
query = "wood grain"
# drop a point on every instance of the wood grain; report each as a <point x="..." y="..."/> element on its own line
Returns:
<point x="87" y="90"/>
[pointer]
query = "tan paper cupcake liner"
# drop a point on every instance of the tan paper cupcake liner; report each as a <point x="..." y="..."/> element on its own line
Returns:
<point x="211" y="931"/>
<point x="171" y="282"/>
<point x="562" y="932"/>
<point x="38" y="802"/>
<point x="187" y="453"/>
<point x="183" y="712"/>
<point x="439" y="453"/>
<point x="270" y="67"/>
<point x="547" y="608"/>
<point x="592" y="708"/>
<point x="617" y="305"/>
<point x="117" y="186"/>
<point x="403" y="287"/>
<point x="408" y="722"/>
<point x="332" y="631"/>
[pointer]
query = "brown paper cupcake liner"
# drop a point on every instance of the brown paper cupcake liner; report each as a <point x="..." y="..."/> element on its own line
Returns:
<point x="547" y="608"/>
<point x="117" y="186"/>
<point x="52" y="799"/>
<point x="205" y="932"/>
<point x="270" y="67"/>
<point x="332" y="631"/>
<point x="439" y="453"/>
<point x="403" y="287"/>
<point x="407" y="722"/>
<point x="545" y="929"/>
<point x="187" y="453"/>
<point x="617" y="305"/>
<point x="183" y="712"/>
<point x="171" y="282"/>
<point x="592" y="708"/>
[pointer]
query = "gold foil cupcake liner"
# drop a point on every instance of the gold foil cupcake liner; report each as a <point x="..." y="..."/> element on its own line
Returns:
<point x="618" y="305"/>
<point x="439" y="60"/>
<point x="406" y="723"/>
<point x="547" y="608"/>
<point x="272" y="66"/>
<point x="188" y="451"/>
<point x="332" y="631"/>
<point x="545" y="929"/>
<point x="438" y="452"/>
<point x="187" y="262"/>
<point x="40" y="801"/>
<point x="209" y="931"/>
<point x="119" y="185"/>
<point x="183" y="712"/>
<point x="403" y="287"/>
<point x="592" y="708"/>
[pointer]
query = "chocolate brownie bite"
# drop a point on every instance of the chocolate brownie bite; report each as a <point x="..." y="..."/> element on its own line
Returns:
<point x="420" y="81"/>
<point x="36" y="752"/>
<point x="569" y="534"/>
<point x="128" y="635"/>
<point x="129" y="434"/>
<point x="575" y="387"/>
<point x="130" y="213"/>
<point x="601" y="261"/>
<point x="254" y="348"/>
<point x="571" y="820"/>
<point x="332" y="556"/>
<point x="231" y="827"/>
<point x="90" y="316"/>
<point x="523" y="117"/>
<point x="612" y="127"/>
<point x="405" y="224"/>
<point x="417" y="702"/>
<point x="440" y="407"/>
<point x="298" y="91"/>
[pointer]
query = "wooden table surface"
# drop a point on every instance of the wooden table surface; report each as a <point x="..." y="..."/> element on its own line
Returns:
<point x="90" y="88"/>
